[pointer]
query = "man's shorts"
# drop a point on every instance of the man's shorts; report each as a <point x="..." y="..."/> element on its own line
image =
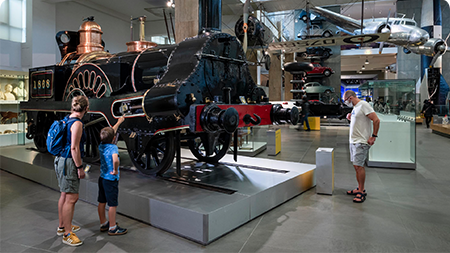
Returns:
<point x="359" y="153"/>
<point x="108" y="191"/>
<point x="69" y="183"/>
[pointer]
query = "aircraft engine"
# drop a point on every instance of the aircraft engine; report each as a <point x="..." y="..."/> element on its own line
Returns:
<point x="375" y="27"/>
<point x="430" y="48"/>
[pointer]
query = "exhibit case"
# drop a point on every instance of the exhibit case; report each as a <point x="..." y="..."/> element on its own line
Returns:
<point x="13" y="89"/>
<point x="250" y="140"/>
<point x="394" y="103"/>
<point x="391" y="96"/>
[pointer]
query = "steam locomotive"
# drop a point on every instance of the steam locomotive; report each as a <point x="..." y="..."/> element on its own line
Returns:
<point x="199" y="90"/>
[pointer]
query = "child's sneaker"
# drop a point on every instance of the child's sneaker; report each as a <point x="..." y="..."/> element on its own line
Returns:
<point x="61" y="231"/>
<point x="72" y="240"/>
<point x="104" y="228"/>
<point x="118" y="231"/>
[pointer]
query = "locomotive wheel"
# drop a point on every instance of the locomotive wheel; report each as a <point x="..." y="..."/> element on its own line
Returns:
<point x="221" y="146"/>
<point x="43" y="122"/>
<point x="157" y="156"/>
<point x="92" y="129"/>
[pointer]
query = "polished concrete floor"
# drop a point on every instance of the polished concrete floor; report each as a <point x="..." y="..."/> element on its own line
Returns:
<point x="405" y="211"/>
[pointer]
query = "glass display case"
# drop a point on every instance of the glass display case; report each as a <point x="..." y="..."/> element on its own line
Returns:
<point x="391" y="96"/>
<point x="13" y="89"/>
<point x="394" y="103"/>
<point x="251" y="140"/>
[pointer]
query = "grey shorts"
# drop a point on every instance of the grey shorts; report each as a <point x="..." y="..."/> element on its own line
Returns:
<point x="69" y="183"/>
<point x="359" y="153"/>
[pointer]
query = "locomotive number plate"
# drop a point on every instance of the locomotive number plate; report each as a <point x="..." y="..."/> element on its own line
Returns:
<point x="41" y="84"/>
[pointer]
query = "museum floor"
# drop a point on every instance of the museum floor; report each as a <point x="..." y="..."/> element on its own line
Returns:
<point x="406" y="211"/>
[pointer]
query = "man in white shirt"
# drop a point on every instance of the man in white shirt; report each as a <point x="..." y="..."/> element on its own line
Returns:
<point x="361" y="139"/>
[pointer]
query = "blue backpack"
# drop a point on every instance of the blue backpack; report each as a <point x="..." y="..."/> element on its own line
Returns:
<point x="56" y="138"/>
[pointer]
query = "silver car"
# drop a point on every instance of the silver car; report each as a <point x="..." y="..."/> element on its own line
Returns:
<point x="315" y="31"/>
<point x="315" y="87"/>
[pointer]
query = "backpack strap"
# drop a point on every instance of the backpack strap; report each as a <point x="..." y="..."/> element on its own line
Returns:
<point x="69" y="121"/>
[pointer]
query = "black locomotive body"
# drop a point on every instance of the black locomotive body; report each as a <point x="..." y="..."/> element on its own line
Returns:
<point x="199" y="90"/>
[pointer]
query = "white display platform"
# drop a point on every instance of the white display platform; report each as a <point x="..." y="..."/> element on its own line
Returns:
<point x="199" y="214"/>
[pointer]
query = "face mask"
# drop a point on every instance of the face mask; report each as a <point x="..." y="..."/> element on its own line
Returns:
<point x="348" y="103"/>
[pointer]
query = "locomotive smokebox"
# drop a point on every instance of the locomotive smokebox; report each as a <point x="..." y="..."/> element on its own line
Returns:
<point x="199" y="70"/>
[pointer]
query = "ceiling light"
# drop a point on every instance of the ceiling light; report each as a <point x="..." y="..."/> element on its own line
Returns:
<point x="366" y="62"/>
<point x="363" y="67"/>
<point x="170" y="3"/>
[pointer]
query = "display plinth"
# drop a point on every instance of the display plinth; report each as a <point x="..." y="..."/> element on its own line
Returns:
<point x="395" y="145"/>
<point x="199" y="214"/>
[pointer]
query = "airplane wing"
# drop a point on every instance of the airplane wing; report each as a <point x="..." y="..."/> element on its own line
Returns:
<point x="340" y="20"/>
<point x="299" y="45"/>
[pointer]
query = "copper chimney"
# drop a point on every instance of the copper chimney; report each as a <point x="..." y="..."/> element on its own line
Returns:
<point x="141" y="44"/>
<point x="90" y="37"/>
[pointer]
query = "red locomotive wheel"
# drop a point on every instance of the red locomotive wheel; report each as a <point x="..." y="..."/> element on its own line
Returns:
<point x="43" y="122"/>
<point x="157" y="156"/>
<point x="221" y="146"/>
<point x="92" y="129"/>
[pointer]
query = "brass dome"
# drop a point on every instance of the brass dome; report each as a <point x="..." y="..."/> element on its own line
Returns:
<point x="90" y="26"/>
<point x="90" y="37"/>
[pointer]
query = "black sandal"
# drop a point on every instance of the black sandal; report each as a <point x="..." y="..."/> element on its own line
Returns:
<point x="354" y="192"/>
<point x="360" y="197"/>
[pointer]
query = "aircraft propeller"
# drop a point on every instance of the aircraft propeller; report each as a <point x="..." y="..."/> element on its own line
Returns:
<point x="441" y="49"/>
<point x="385" y="30"/>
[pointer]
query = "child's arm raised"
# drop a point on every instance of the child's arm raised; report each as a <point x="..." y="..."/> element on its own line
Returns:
<point x="119" y="121"/>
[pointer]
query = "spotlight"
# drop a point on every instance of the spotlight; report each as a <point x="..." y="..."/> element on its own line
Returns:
<point x="366" y="62"/>
<point x="363" y="67"/>
<point x="169" y="3"/>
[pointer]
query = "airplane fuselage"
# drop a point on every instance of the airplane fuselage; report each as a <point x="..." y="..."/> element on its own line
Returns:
<point x="404" y="31"/>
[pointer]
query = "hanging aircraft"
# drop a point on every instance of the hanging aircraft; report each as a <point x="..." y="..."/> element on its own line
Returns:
<point x="404" y="32"/>
<point x="298" y="45"/>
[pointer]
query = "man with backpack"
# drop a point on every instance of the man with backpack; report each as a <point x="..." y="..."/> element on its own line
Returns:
<point x="66" y="140"/>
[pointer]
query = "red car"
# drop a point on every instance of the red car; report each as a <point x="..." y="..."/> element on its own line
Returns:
<point x="320" y="70"/>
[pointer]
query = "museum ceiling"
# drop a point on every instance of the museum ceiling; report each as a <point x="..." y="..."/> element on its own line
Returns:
<point x="153" y="8"/>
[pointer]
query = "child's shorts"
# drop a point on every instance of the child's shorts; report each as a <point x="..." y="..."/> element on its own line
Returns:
<point x="108" y="191"/>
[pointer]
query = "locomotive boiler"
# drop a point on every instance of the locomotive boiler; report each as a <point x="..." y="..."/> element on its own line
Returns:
<point x="199" y="90"/>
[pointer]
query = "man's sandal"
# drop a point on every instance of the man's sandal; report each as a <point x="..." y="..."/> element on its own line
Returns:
<point x="354" y="192"/>
<point x="360" y="197"/>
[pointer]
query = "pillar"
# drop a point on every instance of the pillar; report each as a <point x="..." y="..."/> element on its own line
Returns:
<point x="275" y="78"/>
<point x="186" y="19"/>
<point x="287" y="78"/>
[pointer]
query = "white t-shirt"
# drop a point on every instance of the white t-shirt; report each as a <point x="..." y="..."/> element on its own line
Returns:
<point x="360" y="124"/>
